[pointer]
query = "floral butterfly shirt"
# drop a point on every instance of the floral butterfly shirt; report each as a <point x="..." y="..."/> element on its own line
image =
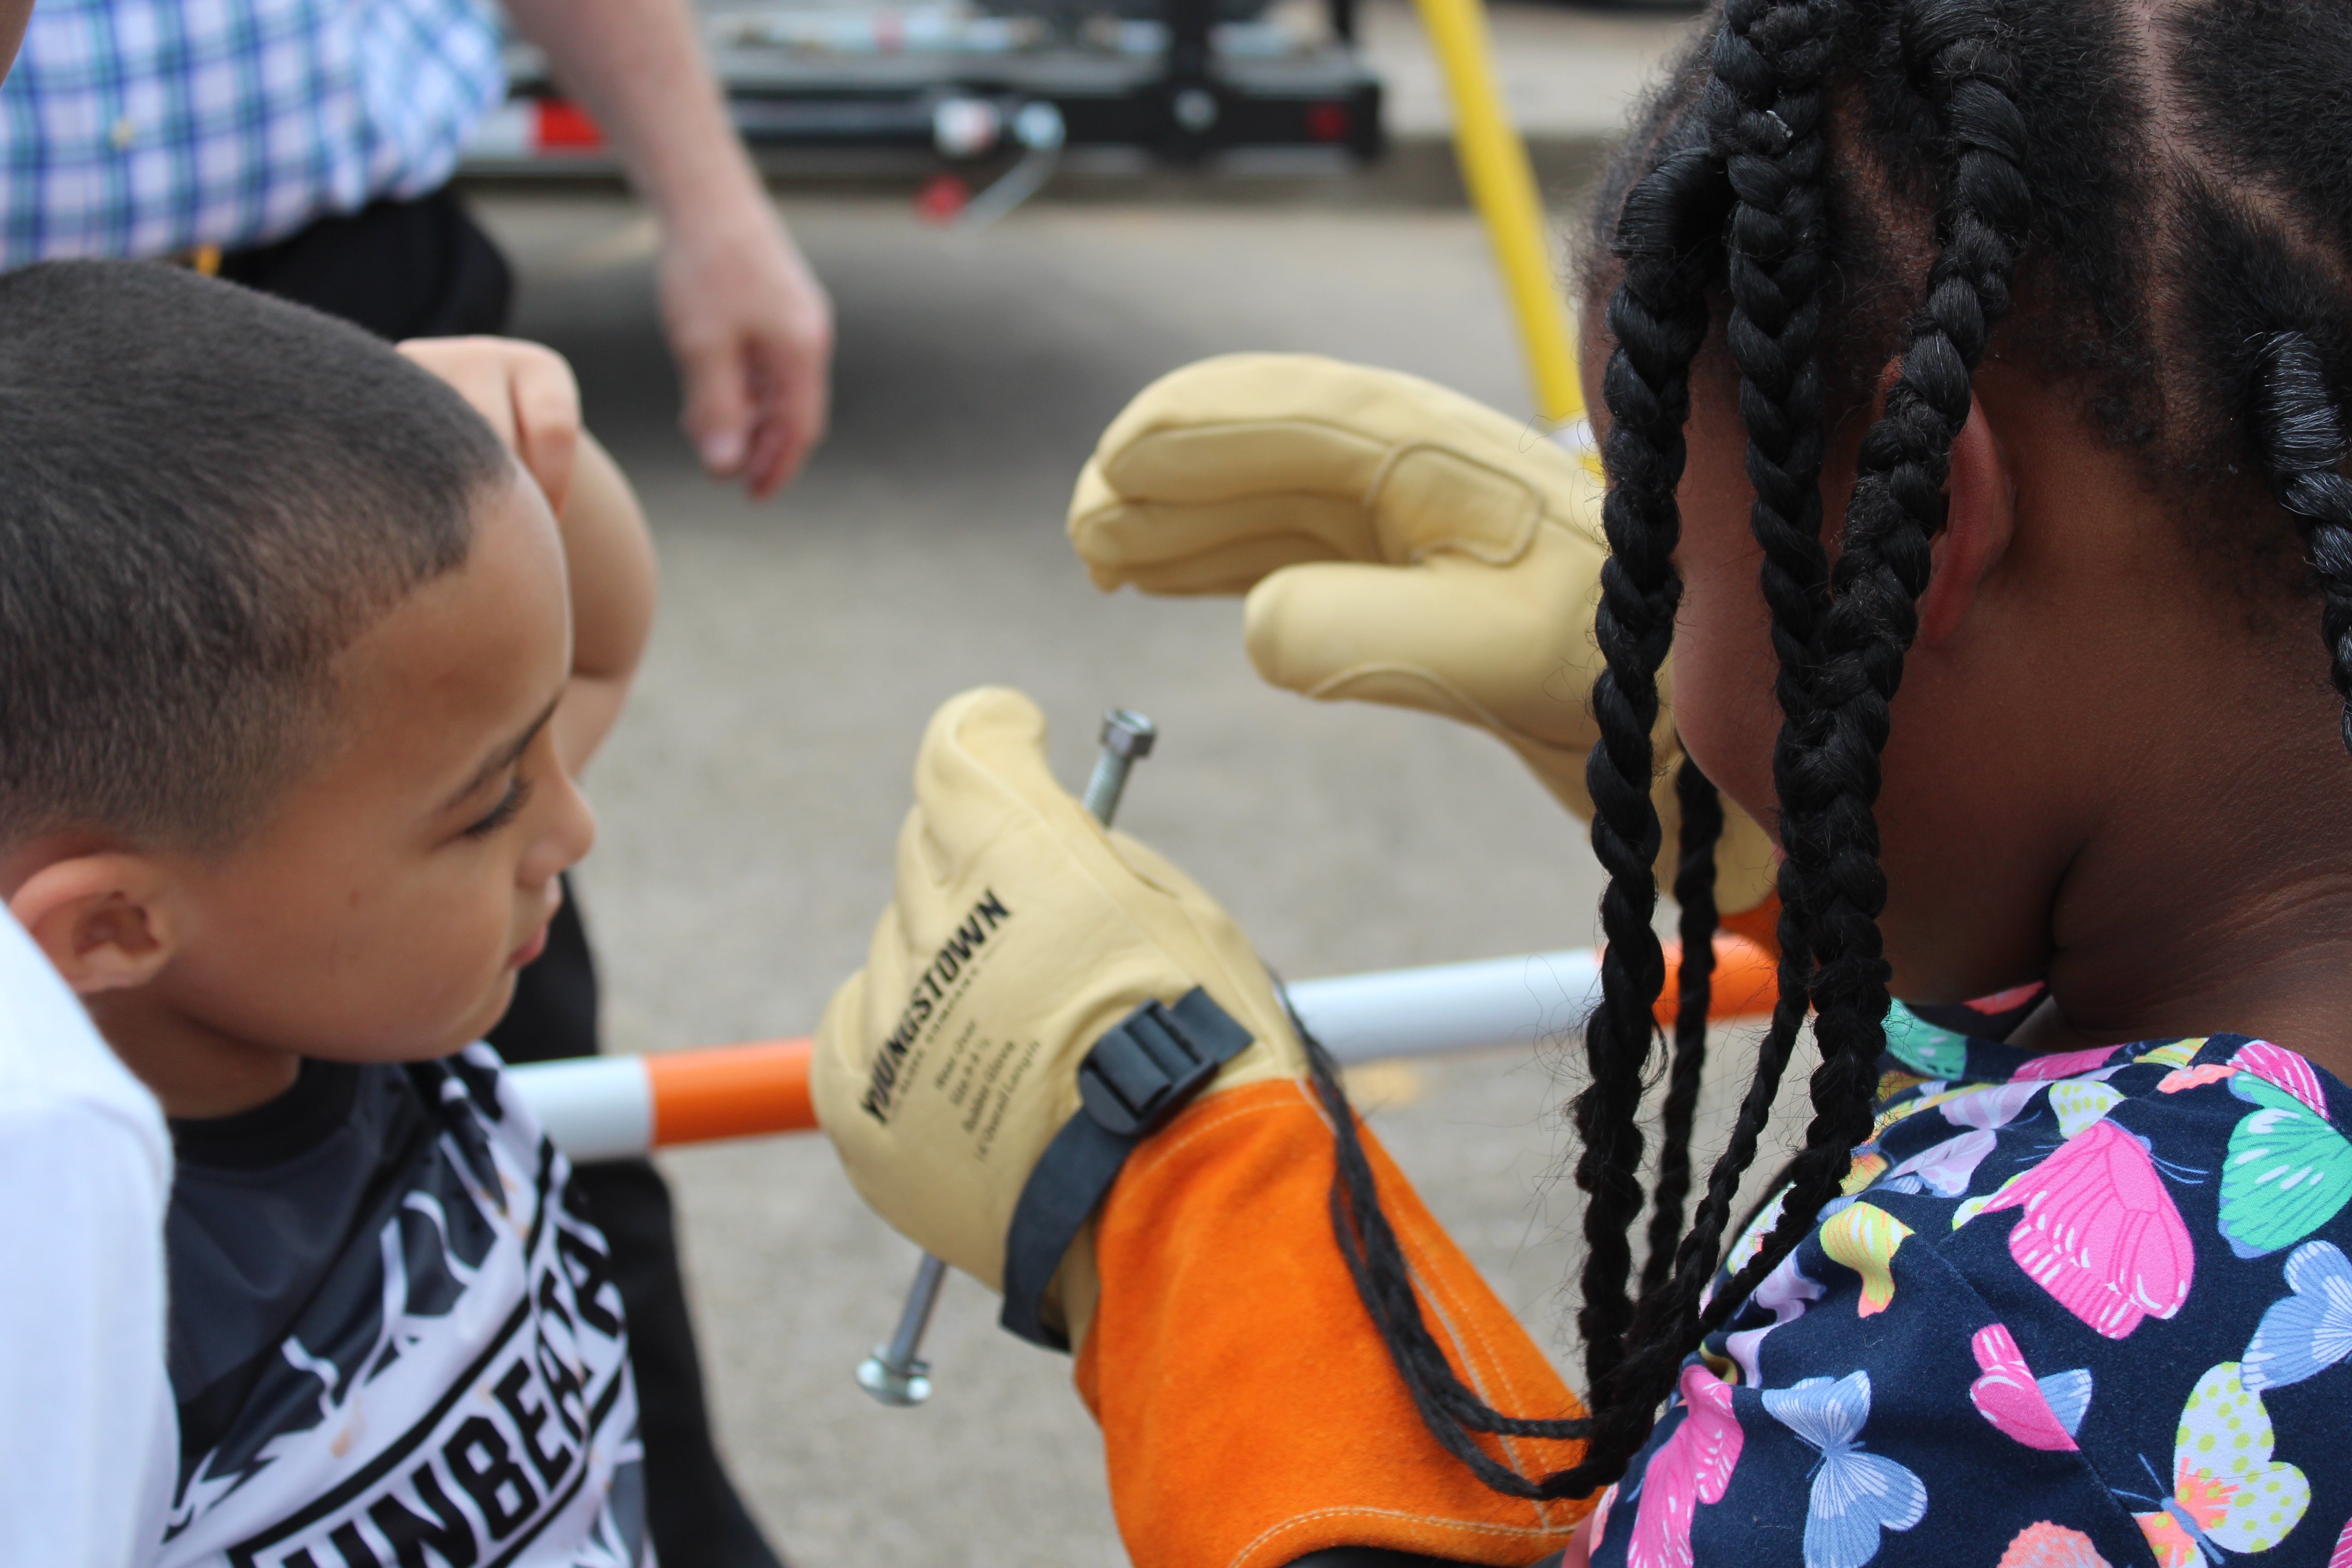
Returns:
<point x="2073" y="1311"/>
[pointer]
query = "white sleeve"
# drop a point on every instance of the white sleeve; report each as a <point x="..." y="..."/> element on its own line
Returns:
<point x="87" y="1437"/>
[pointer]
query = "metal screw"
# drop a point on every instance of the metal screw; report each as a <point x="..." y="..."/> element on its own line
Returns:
<point x="897" y="1374"/>
<point x="894" y="1373"/>
<point x="1127" y="740"/>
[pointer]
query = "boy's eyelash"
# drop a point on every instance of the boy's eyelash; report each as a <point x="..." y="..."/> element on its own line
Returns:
<point x="510" y="806"/>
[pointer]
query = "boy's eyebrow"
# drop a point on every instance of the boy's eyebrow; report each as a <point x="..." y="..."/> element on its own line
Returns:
<point x="505" y="757"/>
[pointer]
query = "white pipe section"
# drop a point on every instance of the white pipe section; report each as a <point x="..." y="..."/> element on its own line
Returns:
<point x="1450" y="1006"/>
<point x="596" y="1108"/>
<point x="602" y="1108"/>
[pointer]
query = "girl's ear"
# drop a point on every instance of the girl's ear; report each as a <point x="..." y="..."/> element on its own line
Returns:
<point x="1979" y="522"/>
<point x="105" y="920"/>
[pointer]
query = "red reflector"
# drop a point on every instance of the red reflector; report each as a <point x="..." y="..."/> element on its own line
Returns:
<point x="564" y="124"/>
<point x="1327" y="123"/>
<point x="942" y="197"/>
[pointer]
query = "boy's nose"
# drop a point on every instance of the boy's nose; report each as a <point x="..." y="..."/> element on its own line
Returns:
<point x="566" y="836"/>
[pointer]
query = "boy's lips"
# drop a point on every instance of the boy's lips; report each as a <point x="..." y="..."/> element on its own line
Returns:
<point x="529" y="950"/>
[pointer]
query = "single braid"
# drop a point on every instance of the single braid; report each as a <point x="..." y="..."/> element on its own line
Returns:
<point x="1766" y="111"/>
<point x="1659" y="314"/>
<point x="1960" y="59"/>
<point x="1449" y="1408"/>
<point x="1659" y="319"/>
<point x="1702" y="825"/>
<point x="2300" y="432"/>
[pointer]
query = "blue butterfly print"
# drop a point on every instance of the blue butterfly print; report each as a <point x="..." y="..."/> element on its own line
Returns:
<point x="2305" y="1333"/>
<point x="1856" y="1496"/>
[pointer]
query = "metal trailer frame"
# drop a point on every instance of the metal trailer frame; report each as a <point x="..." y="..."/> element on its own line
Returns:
<point x="942" y="84"/>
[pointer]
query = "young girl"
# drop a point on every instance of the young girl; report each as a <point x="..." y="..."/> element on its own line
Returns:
<point x="1975" y="376"/>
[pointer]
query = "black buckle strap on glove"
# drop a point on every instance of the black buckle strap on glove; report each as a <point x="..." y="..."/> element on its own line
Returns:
<point x="1136" y="1077"/>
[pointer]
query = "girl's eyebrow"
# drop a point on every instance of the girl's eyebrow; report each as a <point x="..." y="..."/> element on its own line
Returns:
<point x="505" y="757"/>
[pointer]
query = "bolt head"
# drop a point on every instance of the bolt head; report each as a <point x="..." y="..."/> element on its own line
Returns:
<point x="1128" y="735"/>
<point x="901" y="1387"/>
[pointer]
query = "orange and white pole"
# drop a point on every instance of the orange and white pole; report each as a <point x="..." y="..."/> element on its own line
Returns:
<point x="602" y="1107"/>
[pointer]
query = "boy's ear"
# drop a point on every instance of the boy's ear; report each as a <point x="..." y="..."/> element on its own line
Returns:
<point x="105" y="920"/>
<point x="1979" y="522"/>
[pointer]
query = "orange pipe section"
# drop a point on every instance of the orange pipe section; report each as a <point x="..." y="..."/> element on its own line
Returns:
<point x="1746" y="981"/>
<point x="730" y="1091"/>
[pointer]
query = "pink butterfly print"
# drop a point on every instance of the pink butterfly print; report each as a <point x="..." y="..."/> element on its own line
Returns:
<point x="1599" y="1531"/>
<point x="2018" y="1404"/>
<point x="2282" y="1068"/>
<point x="2099" y="1231"/>
<point x="2065" y="1064"/>
<point x="2048" y="1545"/>
<point x="2342" y="1556"/>
<point x="1693" y="1466"/>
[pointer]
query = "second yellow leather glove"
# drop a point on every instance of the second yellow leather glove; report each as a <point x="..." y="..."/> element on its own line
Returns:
<point x="1397" y="543"/>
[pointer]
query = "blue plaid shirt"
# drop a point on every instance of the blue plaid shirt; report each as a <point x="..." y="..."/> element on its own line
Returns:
<point x="148" y="127"/>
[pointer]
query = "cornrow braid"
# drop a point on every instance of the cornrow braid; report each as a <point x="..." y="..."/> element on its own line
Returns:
<point x="2300" y="432"/>
<point x="1701" y="810"/>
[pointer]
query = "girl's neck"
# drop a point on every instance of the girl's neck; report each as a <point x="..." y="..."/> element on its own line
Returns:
<point x="2217" y="901"/>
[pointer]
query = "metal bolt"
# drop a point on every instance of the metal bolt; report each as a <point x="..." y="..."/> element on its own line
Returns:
<point x="894" y="1373"/>
<point x="897" y="1374"/>
<point x="1127" y="740"/>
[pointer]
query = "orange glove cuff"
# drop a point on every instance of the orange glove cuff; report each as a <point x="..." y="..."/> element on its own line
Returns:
<point x="1249" y="1409"/>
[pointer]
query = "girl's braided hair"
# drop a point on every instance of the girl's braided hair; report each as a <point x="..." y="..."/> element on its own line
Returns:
<point x="1836" y="185"/>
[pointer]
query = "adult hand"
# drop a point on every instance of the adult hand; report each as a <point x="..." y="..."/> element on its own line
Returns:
<point x="752" y="332"/>
<point x="1396" y="542"/>
<point x="747" y="320"/>
<point x="525" y="390"/>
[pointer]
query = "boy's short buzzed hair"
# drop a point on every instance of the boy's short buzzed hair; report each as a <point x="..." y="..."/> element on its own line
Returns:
<point x="204" y="495"/>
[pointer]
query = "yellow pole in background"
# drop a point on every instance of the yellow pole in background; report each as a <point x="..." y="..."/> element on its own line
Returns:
<point x="1502" y="186"/>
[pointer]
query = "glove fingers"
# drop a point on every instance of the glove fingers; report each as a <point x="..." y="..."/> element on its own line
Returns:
<point x="1448" y="636"/>
<point x="1246" y="388"/>
<point x="1167" y="548"/>
<point x="1193" y="484"/>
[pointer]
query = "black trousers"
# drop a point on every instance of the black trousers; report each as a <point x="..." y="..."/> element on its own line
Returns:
<point x="423" y="269"/>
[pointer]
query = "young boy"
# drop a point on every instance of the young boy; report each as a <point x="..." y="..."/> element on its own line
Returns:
<point x="291" y="695"/>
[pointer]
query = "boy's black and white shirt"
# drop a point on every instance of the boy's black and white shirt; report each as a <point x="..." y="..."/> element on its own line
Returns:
<point x="393" y="1339"/>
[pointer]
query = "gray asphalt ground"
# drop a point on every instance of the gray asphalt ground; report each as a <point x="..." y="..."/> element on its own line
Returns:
<point x="750" y="800"/>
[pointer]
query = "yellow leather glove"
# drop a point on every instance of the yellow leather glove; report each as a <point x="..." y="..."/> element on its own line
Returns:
<point x="1205" y="1291"/>
<point x="1020" y="933"/>
<point x="1397" y="543"/>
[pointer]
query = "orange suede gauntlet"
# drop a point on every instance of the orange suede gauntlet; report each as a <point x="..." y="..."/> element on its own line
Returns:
<point x="1248" y="1406"/>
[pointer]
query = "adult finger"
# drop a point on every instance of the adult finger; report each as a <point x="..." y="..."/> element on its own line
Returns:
<point x="717" y="415"/>
<point x="792" y="388"/>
